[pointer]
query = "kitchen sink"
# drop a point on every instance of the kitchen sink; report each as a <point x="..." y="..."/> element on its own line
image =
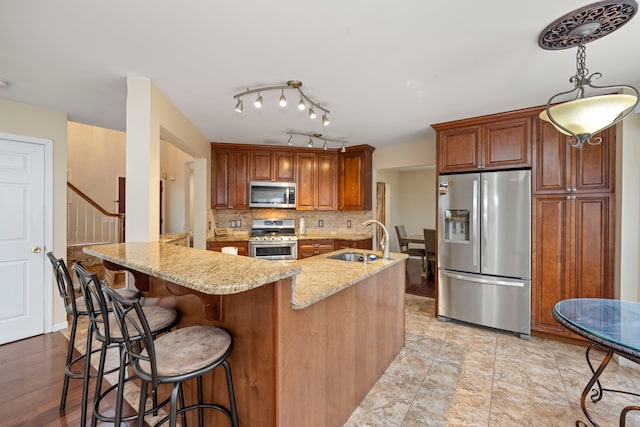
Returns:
<point x="350" y="256"/>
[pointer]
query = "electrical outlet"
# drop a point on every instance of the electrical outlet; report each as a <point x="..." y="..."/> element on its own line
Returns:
<point x="320" y="223"/>
<point x="239" y="223"/>
<point x="348" y="223"/>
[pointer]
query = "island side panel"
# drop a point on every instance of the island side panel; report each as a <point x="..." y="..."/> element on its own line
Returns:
<point x="249" y="317"/>
<point x="331" y="353"/>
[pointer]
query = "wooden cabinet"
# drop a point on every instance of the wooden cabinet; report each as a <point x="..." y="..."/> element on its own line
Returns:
<point x="353" y="244"/>
<point x="229" y="176"/>
<point x="325" y="179"/>
<point x="243" y="246"/>
<point x="559" y="168"/>
<point x="316" y="183"/>
<point x="490" y="142"/>
<point x="573" y="252"/>
<point x="309" y="248"/>
<point x="354" y="178"/>
<point x="267" y="165"/>
<point x="573" y="218"/>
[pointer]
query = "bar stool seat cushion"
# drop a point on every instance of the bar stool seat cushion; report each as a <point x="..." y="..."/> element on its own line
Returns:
<point x="188" y="350"/>
<point x="81" y="305"/>
<point x="158" y="317"/>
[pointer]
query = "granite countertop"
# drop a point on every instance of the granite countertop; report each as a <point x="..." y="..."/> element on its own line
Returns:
<point x="215" y="273"/>
<point x="209" y="272"/>
<point x="321" y="277"/>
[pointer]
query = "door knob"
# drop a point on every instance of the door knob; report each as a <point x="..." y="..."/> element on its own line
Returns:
<point x="36" y="249"/>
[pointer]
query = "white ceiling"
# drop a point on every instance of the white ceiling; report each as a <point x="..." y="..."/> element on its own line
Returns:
<point x="385" y="69"/>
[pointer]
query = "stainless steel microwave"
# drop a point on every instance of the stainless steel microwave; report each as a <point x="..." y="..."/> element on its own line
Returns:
<point x="272" y="194"/>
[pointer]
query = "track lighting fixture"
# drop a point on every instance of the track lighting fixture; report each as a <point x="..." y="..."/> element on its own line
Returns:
<point x="283" y="100"/>
<point x="291" y="84"/>
<point x="258" y="101"/>
<point x="583" y="117"/>
<point x="318" y="136"/>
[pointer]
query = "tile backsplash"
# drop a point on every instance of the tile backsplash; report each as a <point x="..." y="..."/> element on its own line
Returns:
<point x="332" y="221"/>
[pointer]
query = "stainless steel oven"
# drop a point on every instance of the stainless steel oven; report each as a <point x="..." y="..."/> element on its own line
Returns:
<point x="273" y="239"/>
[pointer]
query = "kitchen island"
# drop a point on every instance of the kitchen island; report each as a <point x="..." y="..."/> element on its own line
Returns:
<point x="311" y="336"/>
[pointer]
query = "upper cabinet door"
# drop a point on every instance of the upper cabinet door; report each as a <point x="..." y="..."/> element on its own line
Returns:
<point x="552" y="170"/>
<point x="507" y="144"/>
<point x="595" y="165"/>
<point x="272" y="166"/>
<point x="284" y="167"/>
<point x="494" y="144"/>
<point x="459" y="149"/>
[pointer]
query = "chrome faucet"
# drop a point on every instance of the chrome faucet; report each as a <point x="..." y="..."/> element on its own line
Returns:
<point x="384" y="243"/>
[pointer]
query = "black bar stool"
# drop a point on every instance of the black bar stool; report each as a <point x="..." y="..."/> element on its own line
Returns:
<point x="173" y="358"/>
<point x="105" y="330"/>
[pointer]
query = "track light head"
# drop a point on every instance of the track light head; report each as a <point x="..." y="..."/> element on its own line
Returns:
<point x="283" y="100"/>
<point x="312" y="113"/>
<point x="325" y="120"/>
<point x="343" y="150"/>
<point x="324" y="146"/>
<point x="239" y="106"/>
<point x="258" y="101"/>
<point x="301" y="105"/>
<point x="310" y="143"/>
<point x="290" y="141"/>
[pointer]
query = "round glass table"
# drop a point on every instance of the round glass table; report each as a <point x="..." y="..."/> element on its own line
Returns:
<point x="611" y="325"/>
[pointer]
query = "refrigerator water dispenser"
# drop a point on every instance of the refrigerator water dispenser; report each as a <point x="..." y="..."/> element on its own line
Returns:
<point x="456" y="225"/>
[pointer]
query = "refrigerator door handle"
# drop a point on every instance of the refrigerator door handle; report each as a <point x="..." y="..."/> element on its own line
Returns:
<point x="485" y="220"/>
<point x="484" y="281"/>
<point x="474" y="219"/>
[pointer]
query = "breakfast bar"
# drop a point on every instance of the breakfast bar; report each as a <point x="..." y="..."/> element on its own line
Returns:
<point x="311" y="336"/>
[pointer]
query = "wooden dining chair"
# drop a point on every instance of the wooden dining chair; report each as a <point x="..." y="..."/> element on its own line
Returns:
<point x="405" y="249"/>
<point x="430" y="248"/>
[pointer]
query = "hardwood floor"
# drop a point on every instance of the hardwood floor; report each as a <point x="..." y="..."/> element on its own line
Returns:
<point x="31" y="376"/>
<point x="418" y="284"/>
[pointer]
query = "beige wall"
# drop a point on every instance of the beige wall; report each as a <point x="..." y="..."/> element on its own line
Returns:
<point x="628" y="210"/>
<point x="411" y="154"/>
<point x="96" y="158"/>
<point x="151" y="116"/>
<point x="21" y="119"/>
<point x="173" y="169"/>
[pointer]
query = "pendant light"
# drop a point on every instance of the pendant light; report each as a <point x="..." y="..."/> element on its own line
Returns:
<point x="583" y="117"/>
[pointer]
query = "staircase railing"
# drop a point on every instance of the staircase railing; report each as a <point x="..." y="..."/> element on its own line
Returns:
<point x="89" y="223"/>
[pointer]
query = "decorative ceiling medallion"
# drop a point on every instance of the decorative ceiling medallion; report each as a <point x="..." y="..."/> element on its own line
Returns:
<point x="587" y="24"/>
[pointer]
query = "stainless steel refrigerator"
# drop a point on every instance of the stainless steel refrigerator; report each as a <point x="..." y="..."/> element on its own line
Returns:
<point x="484" y="249"/>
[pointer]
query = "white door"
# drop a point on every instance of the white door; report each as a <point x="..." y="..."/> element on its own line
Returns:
<point x="22" y="231"/>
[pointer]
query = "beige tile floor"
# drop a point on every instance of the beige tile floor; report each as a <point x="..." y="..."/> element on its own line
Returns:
<point x="451" y="374"/>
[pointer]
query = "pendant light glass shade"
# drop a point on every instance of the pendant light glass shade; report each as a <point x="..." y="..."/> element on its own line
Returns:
<point x="587" y="116"/>
<point x="312" y="113"/>
<point x="283" y="100"/>
<point x="239" y="106"/>
<point x="301" y="105"/>
<point x="258" y="101"/>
